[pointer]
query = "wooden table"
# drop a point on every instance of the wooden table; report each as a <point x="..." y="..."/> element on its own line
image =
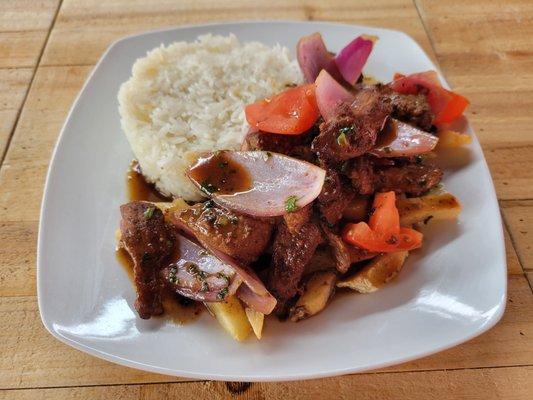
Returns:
<point x="47" y="49"/>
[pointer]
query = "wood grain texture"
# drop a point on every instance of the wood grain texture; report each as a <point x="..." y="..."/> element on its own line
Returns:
<point x="13" y="86"/>
<point x="30" y="357"/>
<point x="24" y="25"/>
<point x="519" y="218"/>
<point x="488" y="384"/>
<point x="105" y="22"/>
<point x="484" y="49"/>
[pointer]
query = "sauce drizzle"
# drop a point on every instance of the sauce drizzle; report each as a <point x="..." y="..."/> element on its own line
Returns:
<point x="219" y="173"/>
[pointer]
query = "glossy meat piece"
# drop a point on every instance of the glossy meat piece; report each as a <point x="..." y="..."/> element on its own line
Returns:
<point x="369" y="175"/>
<point x="412" y="179"/>
<point x="290" y="255"/>
<point x="149" y="242"/>
<point x="298" y="146"/>
<point x="295" y="220"/>
<point x="336" y="195"/>
<point x="242" y="237"/>
<point x="344" y="254"/>
<point x="354" y="130"/>
<point x="413" y="109"/>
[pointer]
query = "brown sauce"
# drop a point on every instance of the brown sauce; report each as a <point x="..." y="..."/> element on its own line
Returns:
<point x="177" y="309"/>
<point x="219" y="173"/>
<point x="139" y="189"/>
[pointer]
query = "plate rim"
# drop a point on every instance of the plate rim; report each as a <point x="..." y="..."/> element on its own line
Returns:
<point x="494" y="319"/>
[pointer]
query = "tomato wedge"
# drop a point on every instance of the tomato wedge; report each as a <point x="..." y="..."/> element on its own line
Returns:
<point x="291" y="112"/>
<point x="383" y="233"/>
<point x="445" y="104"/>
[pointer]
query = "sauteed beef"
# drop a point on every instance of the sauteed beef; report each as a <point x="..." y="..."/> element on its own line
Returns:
<point x="369" y="175"/>
<point x="242" y="237"/>
<point x="340" y="146"/>
<point x="354" y="129"/>
<point x="290" y="254"/>
<point x="149" y="242"/>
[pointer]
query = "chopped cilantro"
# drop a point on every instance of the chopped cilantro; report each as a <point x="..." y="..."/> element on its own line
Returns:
<point x="290" y="204"/>
<point x="222" y="220"/>
<point x="222" y="294"/>
<point x="342" y="140"/>
<point x="223" y="276"/>
<point x="207" y="187"/>
<point x="149" y="212"/>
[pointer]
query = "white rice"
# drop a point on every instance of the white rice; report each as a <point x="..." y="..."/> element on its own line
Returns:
<point x="187" y="98"/>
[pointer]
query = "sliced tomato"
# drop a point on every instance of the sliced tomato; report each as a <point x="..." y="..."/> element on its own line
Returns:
<point x="291" y="112"/>
<point x="445" y="104"/>
<point x="385" y="218"/>
<point x="383" y="233"/>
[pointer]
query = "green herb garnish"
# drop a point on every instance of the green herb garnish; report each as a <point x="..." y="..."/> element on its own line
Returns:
<point x="222" y="294"/>
<point x="290" y="204"/>
<point x="149" y="212"/>
<point x="342" y="140"/>
<point x="419" y="159"/>
<point x="222" y="220"/>
<point x="207" y="187"/>
<point x="172" y="278"/>
<point x="223" y="276"/>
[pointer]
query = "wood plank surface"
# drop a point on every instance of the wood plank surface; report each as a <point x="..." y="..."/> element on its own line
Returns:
<point x="519" y="218"/>
<point x="105" y="22"/>
<point x="488" y="384"/>
<point x="484" y="50"/>
<point x="14" y="83"/>
<point x="24" y="26"/>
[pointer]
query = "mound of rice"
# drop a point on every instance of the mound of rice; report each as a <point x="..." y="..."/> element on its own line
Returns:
<point x="188" y="98"/>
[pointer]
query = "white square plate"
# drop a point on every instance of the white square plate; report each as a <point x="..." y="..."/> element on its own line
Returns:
<point x="450" y="291"/>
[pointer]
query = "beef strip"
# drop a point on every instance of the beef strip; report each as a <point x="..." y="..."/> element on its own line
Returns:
<point x="239" y="236"/>
<point x="344" y="254"/>
<point x="298" y="146"/>
<point x="149" y="242"/>
<point x="353" y="130"/>
<point x="369" y="175"/>
<point x="290" y="255"/>
<point x="295" y="220"/>
<point x="413" y="109"/>
<point x="335" y="196"/>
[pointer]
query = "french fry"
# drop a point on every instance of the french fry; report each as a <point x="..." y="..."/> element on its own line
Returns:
<point x="432" y="206"/>
<point x="256" y="319"/>
<point x="318" y="290"/>
<point x="375" y="274"/>
<point x="231" y="316"/>
<point x="451" y="139"/>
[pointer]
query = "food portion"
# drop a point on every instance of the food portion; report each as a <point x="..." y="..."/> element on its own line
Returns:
<point x="281" y="192"/>
<point x="187" y="98"/>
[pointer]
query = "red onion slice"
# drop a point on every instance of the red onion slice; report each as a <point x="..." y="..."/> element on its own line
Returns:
<point x="409" y="141"/>
<point x="256" y="295"/>
<point x="352" y="58"/>
<point x="279" y="185"/>
<point x="199" y="275"/>
<point x="313" y="56"/>
<point x="330" y="94"/>
<point x="261" y="303"/>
